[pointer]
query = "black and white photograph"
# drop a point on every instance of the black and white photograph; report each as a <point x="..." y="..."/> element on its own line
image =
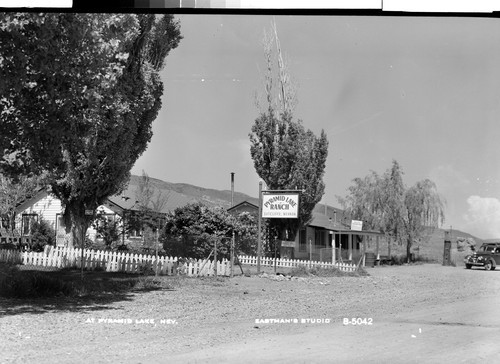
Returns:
<point x="217" y="184"/>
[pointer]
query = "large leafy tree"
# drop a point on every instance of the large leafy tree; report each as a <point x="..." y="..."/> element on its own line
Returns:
<point x="191" y="231"/>
<point x="79" y="93"/>
<point x="286" y="155"/>
<point x="404" y="214"/>
<point x="245" y="229"/>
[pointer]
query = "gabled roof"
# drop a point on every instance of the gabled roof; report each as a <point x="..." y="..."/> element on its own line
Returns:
<point x="37" y="196"/>
<point x="243" y="204"/>
<point x="128" y="201"/>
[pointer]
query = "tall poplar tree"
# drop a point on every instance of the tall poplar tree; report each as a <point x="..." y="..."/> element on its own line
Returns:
<point x="78" y="95"/>
<point x="286" y="155"/>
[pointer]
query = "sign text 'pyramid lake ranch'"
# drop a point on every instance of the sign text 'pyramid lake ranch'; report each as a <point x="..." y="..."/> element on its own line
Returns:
<point x="280" y="205"/>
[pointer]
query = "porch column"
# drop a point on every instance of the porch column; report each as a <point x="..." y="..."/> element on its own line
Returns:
<point x="333" y="246"/>
<point x="349" y="239"/>
<point x="364" y="249"/>
<point x="378" y="253"/>
<point x="340" y="247"/>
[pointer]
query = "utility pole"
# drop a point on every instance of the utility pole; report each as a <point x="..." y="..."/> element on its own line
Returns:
<point x="232" y="240"/>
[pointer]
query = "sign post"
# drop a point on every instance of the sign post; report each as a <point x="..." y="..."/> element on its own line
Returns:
<point x="276" y="204"/>
<point x="259" y="233"/>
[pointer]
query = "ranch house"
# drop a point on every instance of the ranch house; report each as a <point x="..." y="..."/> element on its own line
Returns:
<point x="116" y="208"/>
<point x="329" y="227"/>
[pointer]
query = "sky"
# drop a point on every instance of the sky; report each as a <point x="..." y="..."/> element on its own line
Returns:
<point x="424" y="91"/>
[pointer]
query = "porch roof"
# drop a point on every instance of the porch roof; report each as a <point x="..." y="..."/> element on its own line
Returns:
<point x="323" y="221"/>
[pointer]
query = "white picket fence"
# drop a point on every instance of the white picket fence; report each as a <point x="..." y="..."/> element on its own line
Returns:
<point x="10" y="256"/>
<point x="63" y="257"/>
<point x="294" y="263"/>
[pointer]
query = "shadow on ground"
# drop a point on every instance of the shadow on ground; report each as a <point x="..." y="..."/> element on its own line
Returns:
<point x="38" y="291"/>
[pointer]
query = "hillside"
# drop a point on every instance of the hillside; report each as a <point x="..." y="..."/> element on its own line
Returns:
<point x="433" y="248"/>
<point x="491" y="240"/>
<point x="183" y="193"/>
<point x="180" y="194"/>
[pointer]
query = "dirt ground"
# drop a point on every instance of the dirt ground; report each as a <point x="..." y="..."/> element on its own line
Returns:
<point x="402" y="314"/>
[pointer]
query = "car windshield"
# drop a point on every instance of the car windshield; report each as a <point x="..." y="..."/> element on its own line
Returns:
<point x="487" y="248"/>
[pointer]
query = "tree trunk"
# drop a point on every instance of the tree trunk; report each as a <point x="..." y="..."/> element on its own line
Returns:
<point x="408" y="250"/>
<point x="76" y="224"/>
<point x="12" y="222"/>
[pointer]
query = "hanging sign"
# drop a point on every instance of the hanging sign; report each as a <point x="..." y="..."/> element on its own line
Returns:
<point x="356" y="225"/>
<point x="287" y="244"/>
<point x="280" y="206"/>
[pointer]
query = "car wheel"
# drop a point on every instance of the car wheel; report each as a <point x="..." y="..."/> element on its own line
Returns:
<point x="488" y="265"/>
<point x="468" y="266"/>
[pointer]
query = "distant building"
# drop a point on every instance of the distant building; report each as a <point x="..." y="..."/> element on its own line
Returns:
<point x="244" y="206"/>
<point x="314" y="242"/>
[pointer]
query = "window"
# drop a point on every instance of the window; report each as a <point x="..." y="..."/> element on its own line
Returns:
<point x="319" y="237"/>
<point x="302" y="241"/>
<point x="27" y="223"/>
<point x="59" y="223"/>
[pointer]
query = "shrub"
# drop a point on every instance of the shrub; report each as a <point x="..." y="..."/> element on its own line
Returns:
<point x="398" y="259"/>
<point x="107" y="228"/>
<point x="122" y="248"/>
<point x="42" y="234"/>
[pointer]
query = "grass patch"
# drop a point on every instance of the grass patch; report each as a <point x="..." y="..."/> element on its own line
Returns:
<point x="304" y="271"/>
<point x="31" y="284"/>
<point x="16" y="283"/>
<point x="401" y="259"/>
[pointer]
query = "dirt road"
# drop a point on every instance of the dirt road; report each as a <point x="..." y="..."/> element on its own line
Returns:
<point x="436" y="334"/>
<point x="414" y="314"/>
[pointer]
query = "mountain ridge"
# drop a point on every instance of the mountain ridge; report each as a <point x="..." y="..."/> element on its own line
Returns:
<point x="186" y="193"/>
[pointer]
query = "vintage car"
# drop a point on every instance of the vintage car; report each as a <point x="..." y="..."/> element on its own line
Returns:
<point x="487" y="256"/>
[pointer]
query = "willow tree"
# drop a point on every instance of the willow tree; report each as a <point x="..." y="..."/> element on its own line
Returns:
<point x="286" y="155"/>
<point x="78" y="96"/>
<point x="423" y="212"/>
<point x="403" y="214"/>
